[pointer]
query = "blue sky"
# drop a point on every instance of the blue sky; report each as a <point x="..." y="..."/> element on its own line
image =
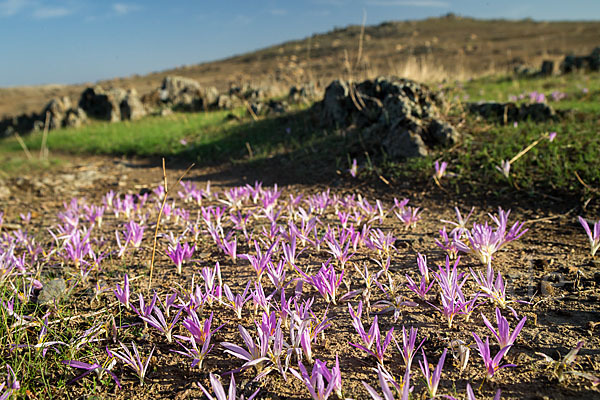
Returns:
<point x="73" y="41"/>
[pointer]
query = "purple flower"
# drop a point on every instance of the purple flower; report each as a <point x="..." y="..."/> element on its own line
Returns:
<point x="421" y="289"/>
<point x="409" y="216"/>
<point x="159" y="321"/>
<point x="145" y="310"/>
<point x="374" y="337"/>
<point x="256" y="354"/>
<point x="492" y="365"/>
<point x="491" y="288"/>
<point x="89" y="368"/>
<point x="451" y="246"/>
<point x="236" y="302"/>
<point x="200" y="338"/>
<point x="408" y="349"/>
<point x="440" y="170"/>
<point x="505" y="338"/>
<point x="133" y="360"/>
<point x="471" y="395"/>
<point x="259" y="261"/>
<point x="354" y="168"/>
<point x="551" y="136"/>
<point x="485" y="240"/>
<point x="384" y="378"/>
<point x="318" y="385"/>
<point x="460" y="227"/>
<point x="219" y="391"/>
<point x="122" y="294"/>
<point x="381" y="242"/>
<point x="326" y="281"/>
<point x="11" y="384"/>
<point x="229" y="247"/>
<point x="593" y="237"/>
<point x="432" y="379"/>
<point x="180" y="253"/>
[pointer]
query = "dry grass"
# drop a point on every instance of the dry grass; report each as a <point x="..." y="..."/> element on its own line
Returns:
<point x="428" y="50"/>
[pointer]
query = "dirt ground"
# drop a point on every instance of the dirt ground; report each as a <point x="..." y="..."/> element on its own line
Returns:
<point x="548" y="270"/>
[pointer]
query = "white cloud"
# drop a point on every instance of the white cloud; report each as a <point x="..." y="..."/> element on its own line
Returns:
<point x="410" y="3"/>
<point x="8" y="8"/>
<point x="51" y="12"/>
<point x="125" y="8"/>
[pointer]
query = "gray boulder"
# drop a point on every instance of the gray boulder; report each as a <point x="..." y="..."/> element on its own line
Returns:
<point x="210" y="97"/>
<point x="57" y="109"/>
<point x="547" y="68"/>
<point x="399" y="114"/>
<point x="224" y="102"/>
<point x="591" y="62"/>
<point x="303" y="93"/>
<point x="131" y="107"/>
<point x="511" y="112"/>
<point x="52" y="291"/>
<point x="181" y="93"/>
<point x="103" y="104"/>
<point x="75" y="118"/>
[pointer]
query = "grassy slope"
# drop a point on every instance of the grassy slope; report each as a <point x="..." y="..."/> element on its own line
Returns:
<point x="434" y="48"/>
<point x="215" y="137"/>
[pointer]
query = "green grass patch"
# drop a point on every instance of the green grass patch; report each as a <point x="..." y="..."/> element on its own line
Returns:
<point x="582" y="90"/>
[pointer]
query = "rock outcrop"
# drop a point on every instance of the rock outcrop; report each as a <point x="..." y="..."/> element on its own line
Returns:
<point x="591" y="62"/>
<point x="113" y="104"/>
<point x="511" y="112"/>
<point x="399" y="114"/>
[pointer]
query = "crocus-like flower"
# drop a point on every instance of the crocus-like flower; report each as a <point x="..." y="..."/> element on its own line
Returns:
<point x="440" y="170"/>
<point x="89" y="368"/>
<point x="409" y="216"/>
<point x="256" y="353"/>
<point x="354" y="168"/>
<point x="122" y="294"/>
<point x="408" y="349"/>
<point x="200" y="338"/>
<point x="327" y="282"/>
<point x="145" y="310"/>
<point x="421" y="289"/>
<point x="315" y="383"/>
<point x="133" y="360"/>
<point x="485" y="240"/>
<point x="158" y="321"/>
<point x="504" y="168"/>
<point x="594" y="236"/>
<point x="471" y="395"/>
<point x="460" y="226"/>
<point x="451" y="246"/>
<point x="11" y="384"/>
<point x="180" y="253"/>
<point x="551" y="136"/>
<point x="505" y="338"/>
<point x="229" y="247"/>
<point x="384" y="379"/>
<point x="219" y="391"/>
<point x="491" y="288"/>
<point x="432" y="378"/>
<point x="236" y="302"/>
<point x="492" y="365"/>
<point x="380" y="345"/>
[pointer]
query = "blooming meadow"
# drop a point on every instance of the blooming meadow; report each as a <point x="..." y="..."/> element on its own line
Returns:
<point x="262" y="290"/>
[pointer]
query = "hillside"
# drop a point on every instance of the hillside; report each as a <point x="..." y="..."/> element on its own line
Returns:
<point x="431" y="50"/>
